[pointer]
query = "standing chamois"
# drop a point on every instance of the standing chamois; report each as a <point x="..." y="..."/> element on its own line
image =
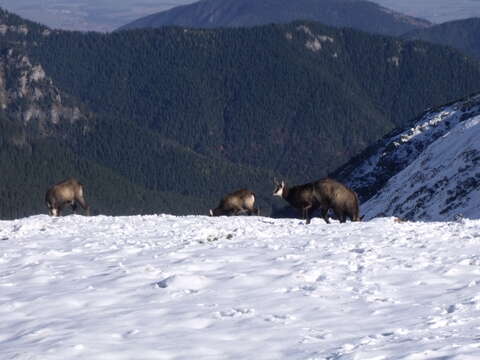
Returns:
<point x="240" y="202"/>
<point x="323" y="194"/>
<point x="67" y="192"/>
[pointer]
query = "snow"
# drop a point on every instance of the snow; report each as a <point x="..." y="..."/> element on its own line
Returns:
<point x="405" y="146"/>
<point x="429" y="171"/>
<point x="442" y="182"/>
<point x="195" y="287"/>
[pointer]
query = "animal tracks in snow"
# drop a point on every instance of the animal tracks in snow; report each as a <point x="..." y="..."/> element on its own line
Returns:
<point x="235" y="313"/>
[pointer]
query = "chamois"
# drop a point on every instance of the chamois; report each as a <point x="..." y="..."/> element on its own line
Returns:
<point x="342" y="200"/>
<point x="301" y="197"/>
<point x="67" y="192"/>
<point x="324" y="194"/>
<point x="240" y="202"/>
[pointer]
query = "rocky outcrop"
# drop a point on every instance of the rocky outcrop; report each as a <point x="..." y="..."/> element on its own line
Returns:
<point x="30" y="99"/>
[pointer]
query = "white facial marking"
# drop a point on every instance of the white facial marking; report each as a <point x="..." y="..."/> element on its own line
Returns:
<point x="278" y="192"/>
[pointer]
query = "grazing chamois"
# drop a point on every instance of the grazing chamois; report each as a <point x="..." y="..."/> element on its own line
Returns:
<point x="323" y="194"/>
<point x="67" y="192"/>
<point x="342" y="200"/>
<point x="240" y="202"/>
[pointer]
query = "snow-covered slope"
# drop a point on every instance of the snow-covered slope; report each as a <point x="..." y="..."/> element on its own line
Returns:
<point x="165" y="287"/>
<point x="430" y="171"/>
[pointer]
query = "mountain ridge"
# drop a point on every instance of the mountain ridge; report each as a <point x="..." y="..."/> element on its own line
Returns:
<point x="427" y="171"/>
<point x="359" y="14"/>
<point x="462" y="35"/>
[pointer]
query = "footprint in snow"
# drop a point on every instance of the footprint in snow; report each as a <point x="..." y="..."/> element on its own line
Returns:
<point x="235" y="313"/>
<point x="282" y="319"/>
<point x="315" y="336"/>
<point x="184" y="282"/>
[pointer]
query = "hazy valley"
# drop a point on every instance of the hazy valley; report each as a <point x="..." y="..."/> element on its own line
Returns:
<point x="88" y="15"/>
<point x="107" y="15"/>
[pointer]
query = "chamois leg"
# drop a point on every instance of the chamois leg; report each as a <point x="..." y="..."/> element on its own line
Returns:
<point x="84" y="205"/>
<point x="254" y="211"/>
<point x="306" y="213"/>
<point x="60" y="209"/>
<point x="356" y="217"/>
<point x="325" y="215"/>
<point x="341" y="216"/>
<point x="50" y="209"/>
<point x="74" y="207"/>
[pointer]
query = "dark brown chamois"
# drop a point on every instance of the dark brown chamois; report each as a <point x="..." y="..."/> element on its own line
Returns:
<point x="301" y="197"/>
<point x="240" y="202"/>
<point x="67" y="192"/>
<point x="332" y="194"/>
<point x="324" y="194"/>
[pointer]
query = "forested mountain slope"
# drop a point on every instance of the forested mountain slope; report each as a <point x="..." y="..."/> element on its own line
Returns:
<point x="189" y="114"/>
<point x="47" y="135"/>
<point x="300" y="99"/>
<point x="39" y="125"/>
<point x="463" y="35"/>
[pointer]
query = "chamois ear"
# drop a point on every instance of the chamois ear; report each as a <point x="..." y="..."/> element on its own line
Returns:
<point x="211" y="212"/>
<point x="283" y="184"/>
<point x="275" y="181"/>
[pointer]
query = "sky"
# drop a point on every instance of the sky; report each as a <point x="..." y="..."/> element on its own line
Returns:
<point x="107" y="15"/>
<point x="436" y="11"/>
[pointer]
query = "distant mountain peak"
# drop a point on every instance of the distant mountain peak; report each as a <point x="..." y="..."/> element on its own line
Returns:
<point x="358" y="14"/>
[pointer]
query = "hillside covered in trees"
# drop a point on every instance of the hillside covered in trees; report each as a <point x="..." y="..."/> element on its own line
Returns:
<point x="171" y="119"/>
<point x="463" y="35"/>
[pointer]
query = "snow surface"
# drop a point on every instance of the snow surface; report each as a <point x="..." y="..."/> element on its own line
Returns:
<point x="442" y="182"/>
<point x="427" y="171"/>
<point x="194" y="287"/>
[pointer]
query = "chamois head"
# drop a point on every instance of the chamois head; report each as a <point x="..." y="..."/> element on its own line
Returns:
<point x="279" y="188"/>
